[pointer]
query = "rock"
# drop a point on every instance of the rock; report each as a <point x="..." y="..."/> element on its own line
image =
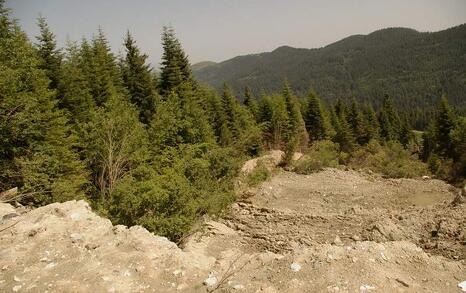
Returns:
<point x="17" y="288"/>
<point x="7" y="211"/>
<point x="337" y="241"/>
<point x="356" y="238"/>
<point x="295" y="267"/>
<point x="425" y="177"/>
<point x="365" y="288"/>
<point x="238" y="287"/>
<point x="462" y="286"/>
<point x="211" y="280"/>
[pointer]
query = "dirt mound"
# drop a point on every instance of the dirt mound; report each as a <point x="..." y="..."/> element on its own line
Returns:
<point x="333" y="231"/>
<point x="67" y="248"/>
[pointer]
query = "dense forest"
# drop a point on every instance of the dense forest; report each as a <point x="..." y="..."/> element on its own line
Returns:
<point x="414" y="68"/>
<point x="161" y="150"/>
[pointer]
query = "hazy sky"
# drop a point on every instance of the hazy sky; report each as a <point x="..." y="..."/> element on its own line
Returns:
<point x="220" y="29"/>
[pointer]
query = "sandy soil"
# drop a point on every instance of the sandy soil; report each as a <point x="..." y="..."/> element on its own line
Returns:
<point x="332" y="231"/>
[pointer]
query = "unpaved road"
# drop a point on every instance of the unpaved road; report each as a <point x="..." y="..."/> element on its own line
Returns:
<point x="332" y="231"/>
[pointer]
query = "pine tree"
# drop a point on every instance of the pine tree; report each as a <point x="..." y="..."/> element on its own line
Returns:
<point x="251" y="103"/>
<point x="390" y="123"/>
<point x="343" y="136"/>
<point x="36" y="145"/>
<point x="100" y="69"/>
<point x="74" y="87"/>
<point x="296" y="134"/>
<point x="370" y="124"/>
<point x="175" y="67"/>
<point x="444" y="123"/>
<point x="137" y="78"/>
<point x="356" y="123"/>
<point x="50" y="56"/>
<point x="314" y="119"/>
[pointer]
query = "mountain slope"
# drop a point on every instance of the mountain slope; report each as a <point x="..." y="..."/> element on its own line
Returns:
<point x="414" y="68"/>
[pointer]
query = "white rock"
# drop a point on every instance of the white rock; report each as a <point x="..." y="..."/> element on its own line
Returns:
<point x="238" y="287"/>
<point x="365" y="288"/>
<point x="16" y="279"/>
<point x="17" y="288"/>
<point x="462" y="286"/>
<point x="295" y="267"/>
<point x="211" y="280"/>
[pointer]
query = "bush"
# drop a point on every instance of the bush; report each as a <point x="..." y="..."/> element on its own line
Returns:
<point x="391" y="160"/>
<point x="188" y="182"/>
<point x="260" y="174"/>
<point x="320" y="155"/>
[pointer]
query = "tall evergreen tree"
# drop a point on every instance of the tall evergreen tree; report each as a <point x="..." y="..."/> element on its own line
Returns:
<point x="36" y="145"/>
<point x="314" y="119"/>
<point x="175" y="67"/>
<point x="370" y="124"/>
<point x="296" y="135"/>
<point x="390" y="123"/>
<point x="444" y="123"/>
<point x="251" y="103"/>
<point x="137" y="78"/>
<point x="50" y="56"/>
<point x="343" y="136"/>
<point x="356" y="123"/>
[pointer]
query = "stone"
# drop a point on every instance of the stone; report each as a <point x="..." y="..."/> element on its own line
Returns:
<point x="295" y="267"/>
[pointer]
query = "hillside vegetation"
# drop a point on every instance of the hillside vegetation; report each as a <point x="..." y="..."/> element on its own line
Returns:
<point x="413" y="68"/>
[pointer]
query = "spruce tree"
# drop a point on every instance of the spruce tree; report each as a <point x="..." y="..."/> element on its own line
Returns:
<point x="50" y="56"/>
<point x="296" y="134"/>
<point x="137" y="78"/>
<point x="344" y="135"/>
<point x="370" y="124"/>
<point x="356" y="123"/>
<point x="444" y="123"/>
<point x="175" y="68"/>
<point x="314" y="119"/>
<point x="36" y="145"/>
<point x="390" y="123"/>
<point x="251" y="103"/>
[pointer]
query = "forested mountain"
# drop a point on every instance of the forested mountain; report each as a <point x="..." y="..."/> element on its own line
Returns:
<point x="413" y="68"/>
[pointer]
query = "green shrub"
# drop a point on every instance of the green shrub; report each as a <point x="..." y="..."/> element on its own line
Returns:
<point x="320" y="155"/>
<point x="390" y="159"/>
<point x="260" y="174"/>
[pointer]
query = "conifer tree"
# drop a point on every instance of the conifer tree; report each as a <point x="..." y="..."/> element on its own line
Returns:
<point x="314" y="118"/>
<point x="356" y="123"/>
<point x="390" y="123"/>
<point x="343" y="136"/>
<point x="50" y="56"/>
<point x="175" y="67"/>
<point x="444" y="123"/>
<point x="36" y="145"/>
<point x="74" y="87"/>
<point x="370" y="124"/>
<point x="100" y="69"/>
<point x="137" y="78"/>
<point x="251" y="103"/>
<point x="296" y="135"/>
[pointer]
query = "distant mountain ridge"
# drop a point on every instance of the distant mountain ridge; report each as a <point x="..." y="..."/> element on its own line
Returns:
<point x="413" y="67"/>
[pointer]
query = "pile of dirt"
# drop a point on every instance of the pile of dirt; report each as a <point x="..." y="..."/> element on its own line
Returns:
<point x="332" y="231"/>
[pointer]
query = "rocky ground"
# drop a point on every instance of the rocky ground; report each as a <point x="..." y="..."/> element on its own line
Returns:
<point x="332" y="231"/>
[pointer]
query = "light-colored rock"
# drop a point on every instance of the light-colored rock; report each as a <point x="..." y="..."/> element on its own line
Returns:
<point x="211" y="280"/>
<point x="295" y="267"/>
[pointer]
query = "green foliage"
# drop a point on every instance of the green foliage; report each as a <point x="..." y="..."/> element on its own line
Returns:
<point x="138" y="80"/>
<point x="315" y="119"/>
<point x="320" y="155"/>
<point x="175" y="68"/>
<point x="412" y="67"/>
<point x="36" y="144"/>
<point x="260" y="174"/>
<point x="50" y="56"/>
<point x="391" y="160"/>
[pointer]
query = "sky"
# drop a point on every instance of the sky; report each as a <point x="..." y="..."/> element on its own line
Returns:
<point x="216" y="30"/>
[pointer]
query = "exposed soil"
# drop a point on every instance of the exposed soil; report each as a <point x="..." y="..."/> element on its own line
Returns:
<point x="332" y="231"/>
